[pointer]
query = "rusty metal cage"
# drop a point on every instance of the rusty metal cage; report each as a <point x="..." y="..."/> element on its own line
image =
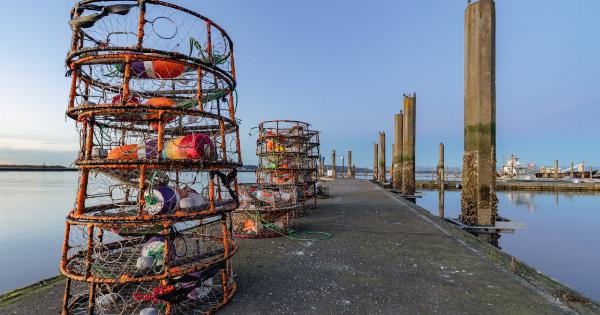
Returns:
<point x="313" y="156"/>
<point x="286" y="178"/>
<point x="265" y="210"/>
<point x="153" y="93"/>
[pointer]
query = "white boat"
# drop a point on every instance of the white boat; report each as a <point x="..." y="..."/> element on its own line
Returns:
<point x="513" y="169"/>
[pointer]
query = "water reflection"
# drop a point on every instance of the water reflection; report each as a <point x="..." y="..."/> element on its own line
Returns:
<point x="441" y="195"/>
<point x="560" y="236"/>
<point x="522" y="199"/>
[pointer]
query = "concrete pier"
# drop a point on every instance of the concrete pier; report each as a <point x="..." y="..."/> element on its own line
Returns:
<point x="397" y="152"/>
<point x="478" y="199"/>
<point x="333" y="169"/>
<point x="381" y="170"/>
<point x="408" y="144"/>
<point x="375" y="161"/>
<point x="385" y="256"/>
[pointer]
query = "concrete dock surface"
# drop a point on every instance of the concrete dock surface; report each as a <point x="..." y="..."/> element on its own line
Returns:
<point x="386" y="256"/>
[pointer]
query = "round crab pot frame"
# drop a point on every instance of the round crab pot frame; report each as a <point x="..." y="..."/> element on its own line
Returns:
<point x="153" y="93"/>
<point x="265" y="210"/>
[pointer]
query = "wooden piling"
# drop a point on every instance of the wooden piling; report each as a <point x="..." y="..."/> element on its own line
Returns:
<point x="381" y="170"/>
<point x="556" y="169"/>
<point x="478" y="198"/>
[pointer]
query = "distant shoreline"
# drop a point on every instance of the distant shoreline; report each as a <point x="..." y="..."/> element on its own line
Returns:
<point x="36" y="168"/>
<point x="58" y="168"/>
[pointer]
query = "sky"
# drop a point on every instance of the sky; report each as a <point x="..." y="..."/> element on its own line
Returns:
<point x="343" y="66"/>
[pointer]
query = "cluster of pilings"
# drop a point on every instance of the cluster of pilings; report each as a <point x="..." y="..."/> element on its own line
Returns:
<point x="403" y="151"/>
<point x="150" y="229"/>
<point x="478" y="199"/>
<point x="348" y="170"/>
<point x="574" y="171"/>
<point x="286" y="180"/>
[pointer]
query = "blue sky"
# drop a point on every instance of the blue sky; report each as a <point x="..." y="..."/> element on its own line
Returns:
<point x="343" y="66"/>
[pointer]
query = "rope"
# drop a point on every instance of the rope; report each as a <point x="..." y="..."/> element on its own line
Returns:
<point x="151" y="199"/>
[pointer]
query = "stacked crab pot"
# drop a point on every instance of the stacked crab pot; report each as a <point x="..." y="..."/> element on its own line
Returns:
<point x="283" y="178"/>
<point x="312" y="174"/>
<point x="152" y="91"/>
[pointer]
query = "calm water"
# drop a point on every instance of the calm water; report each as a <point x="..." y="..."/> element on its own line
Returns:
<point x="33" y="206"/>
<point x="560" y="239"/>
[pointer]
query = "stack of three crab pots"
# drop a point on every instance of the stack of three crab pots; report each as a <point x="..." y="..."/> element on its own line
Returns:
<point x="285" y="180"/>
<point x="312" y="170"/>
<point x="152" y="92"/>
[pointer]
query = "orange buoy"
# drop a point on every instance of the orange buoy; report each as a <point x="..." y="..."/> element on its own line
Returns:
<point x="157" y="69"/>
<point x="158" y="102"/>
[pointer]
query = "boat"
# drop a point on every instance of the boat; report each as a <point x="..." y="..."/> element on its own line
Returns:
<point x="512" y="169"/>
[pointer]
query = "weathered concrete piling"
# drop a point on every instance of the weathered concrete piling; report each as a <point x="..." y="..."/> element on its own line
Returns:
<point x="320" y="166"/>
<point x="375" y="161"/>
<point x="381" y="169"/>
<point x="408" y="144"/>
<point x="397" y="152"/>
<point x="350" y="173"/>
<point x="440" y="167"/>
<point x="392" y="165"/>
<point x="478" y="199"/>
<point x="333" y="170"/>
